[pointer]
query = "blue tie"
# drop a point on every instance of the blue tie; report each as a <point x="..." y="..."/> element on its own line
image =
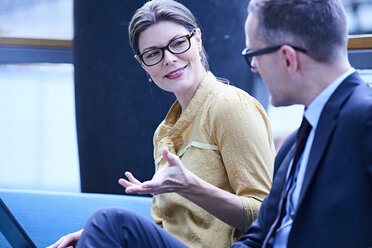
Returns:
<point x="301" y="138"/>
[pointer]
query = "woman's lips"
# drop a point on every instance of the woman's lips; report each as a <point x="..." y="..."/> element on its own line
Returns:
<point x="176" y="73"/>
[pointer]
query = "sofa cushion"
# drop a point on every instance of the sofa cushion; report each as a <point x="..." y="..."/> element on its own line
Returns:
<point x="47" y="216"/>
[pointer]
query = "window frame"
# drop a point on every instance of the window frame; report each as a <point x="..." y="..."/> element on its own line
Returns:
<point x="360" y="51"/>
<point x="15" y="50"/>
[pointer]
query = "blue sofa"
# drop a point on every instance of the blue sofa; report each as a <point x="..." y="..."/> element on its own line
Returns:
<point x="46" y="216"/>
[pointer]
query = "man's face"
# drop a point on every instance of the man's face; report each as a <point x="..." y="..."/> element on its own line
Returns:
<point x="268" y="66"/>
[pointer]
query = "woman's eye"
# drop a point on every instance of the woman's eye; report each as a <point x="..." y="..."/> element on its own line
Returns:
<point x="178" y="43"/>
<point x="152" y="54"/>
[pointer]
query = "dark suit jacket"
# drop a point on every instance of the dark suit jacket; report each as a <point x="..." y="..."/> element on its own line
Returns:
<point x="335" y="204"/>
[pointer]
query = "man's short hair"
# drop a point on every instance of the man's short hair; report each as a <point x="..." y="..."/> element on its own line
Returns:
<point x="319" y="26"/>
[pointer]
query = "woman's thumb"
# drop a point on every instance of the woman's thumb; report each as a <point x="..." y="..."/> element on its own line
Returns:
<point x="169" y="157"/>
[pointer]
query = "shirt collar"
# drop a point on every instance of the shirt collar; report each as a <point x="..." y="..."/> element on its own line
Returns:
<point x="177" y="122"/>
<point x="313" y="111"/>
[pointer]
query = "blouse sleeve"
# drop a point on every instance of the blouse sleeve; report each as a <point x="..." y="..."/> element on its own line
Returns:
<point x="243" y="134"/>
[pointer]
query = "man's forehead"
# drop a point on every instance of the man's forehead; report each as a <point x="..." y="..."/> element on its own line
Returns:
<point x="251" y="22"/>
<point x="250" y="26"/>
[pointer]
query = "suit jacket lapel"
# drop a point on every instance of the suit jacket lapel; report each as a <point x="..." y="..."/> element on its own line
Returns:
<point x="285" y="153"/>
<point x="325" y="128"/>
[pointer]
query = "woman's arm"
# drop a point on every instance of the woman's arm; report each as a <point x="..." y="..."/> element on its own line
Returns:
<point x="174" y="177"/>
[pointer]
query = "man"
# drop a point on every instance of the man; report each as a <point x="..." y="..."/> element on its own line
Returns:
<point x="324" y="198"/>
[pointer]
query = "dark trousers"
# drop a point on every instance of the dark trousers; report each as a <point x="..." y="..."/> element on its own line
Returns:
<point x="116" y="227"/>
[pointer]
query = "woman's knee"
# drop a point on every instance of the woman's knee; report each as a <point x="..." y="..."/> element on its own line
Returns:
<point x="113" y="216"/>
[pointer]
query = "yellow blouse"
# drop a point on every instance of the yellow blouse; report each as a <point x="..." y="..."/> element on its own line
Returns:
<point x="223" y="137"/>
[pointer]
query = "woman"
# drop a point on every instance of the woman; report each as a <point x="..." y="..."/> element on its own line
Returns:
<point x="209" y="193"/>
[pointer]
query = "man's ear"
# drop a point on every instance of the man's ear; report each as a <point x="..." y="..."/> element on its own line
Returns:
<point x="289" y="58"/>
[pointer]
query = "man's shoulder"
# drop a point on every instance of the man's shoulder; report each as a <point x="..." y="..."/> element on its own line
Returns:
<point x="364" y="90"/>
<point x="353" y="97"/>
<point x="360" y="100"/>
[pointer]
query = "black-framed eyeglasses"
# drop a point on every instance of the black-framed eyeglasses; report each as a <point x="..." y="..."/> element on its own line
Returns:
<point x="249" y="54"/>
<point x="175" y="46"/>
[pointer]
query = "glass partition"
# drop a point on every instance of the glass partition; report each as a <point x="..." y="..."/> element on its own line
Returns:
<point x="366" y="74"/>
<point x="359" y="16"/>
<point x="36" y="19"/>
<point x="38" y="146"/>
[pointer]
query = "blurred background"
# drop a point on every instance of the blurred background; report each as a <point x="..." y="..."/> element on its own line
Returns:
<point x="57" y="122"/>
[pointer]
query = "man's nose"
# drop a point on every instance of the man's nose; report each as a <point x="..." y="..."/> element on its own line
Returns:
<point x="254" y="65"/>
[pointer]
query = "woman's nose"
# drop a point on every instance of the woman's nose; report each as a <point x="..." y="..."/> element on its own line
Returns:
<point x="169" y="57"/>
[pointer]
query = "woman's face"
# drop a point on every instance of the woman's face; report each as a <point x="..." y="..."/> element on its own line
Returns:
<point x="177" y="73"/>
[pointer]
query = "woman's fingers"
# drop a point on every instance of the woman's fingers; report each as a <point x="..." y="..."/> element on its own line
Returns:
<point x="56" y="244"/>
<point x="67" y="241"/>
<point x="125" y="183"/>
<point x="131" y="178"/>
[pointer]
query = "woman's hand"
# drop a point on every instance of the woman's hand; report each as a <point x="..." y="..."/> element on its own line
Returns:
<point x="68" y="241"/>
<point x="173" y="177"/>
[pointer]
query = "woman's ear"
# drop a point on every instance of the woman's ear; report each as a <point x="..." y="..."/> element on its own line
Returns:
<point x="198" y="38"/>
<point x="139" y="61"/>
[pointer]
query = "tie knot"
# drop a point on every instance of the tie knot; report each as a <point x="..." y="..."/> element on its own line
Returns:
<point x="304" y="130"/>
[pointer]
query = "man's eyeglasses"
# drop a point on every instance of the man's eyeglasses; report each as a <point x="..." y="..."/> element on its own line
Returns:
<point x="175" y="46"/>
<point x="249" y="54"/>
